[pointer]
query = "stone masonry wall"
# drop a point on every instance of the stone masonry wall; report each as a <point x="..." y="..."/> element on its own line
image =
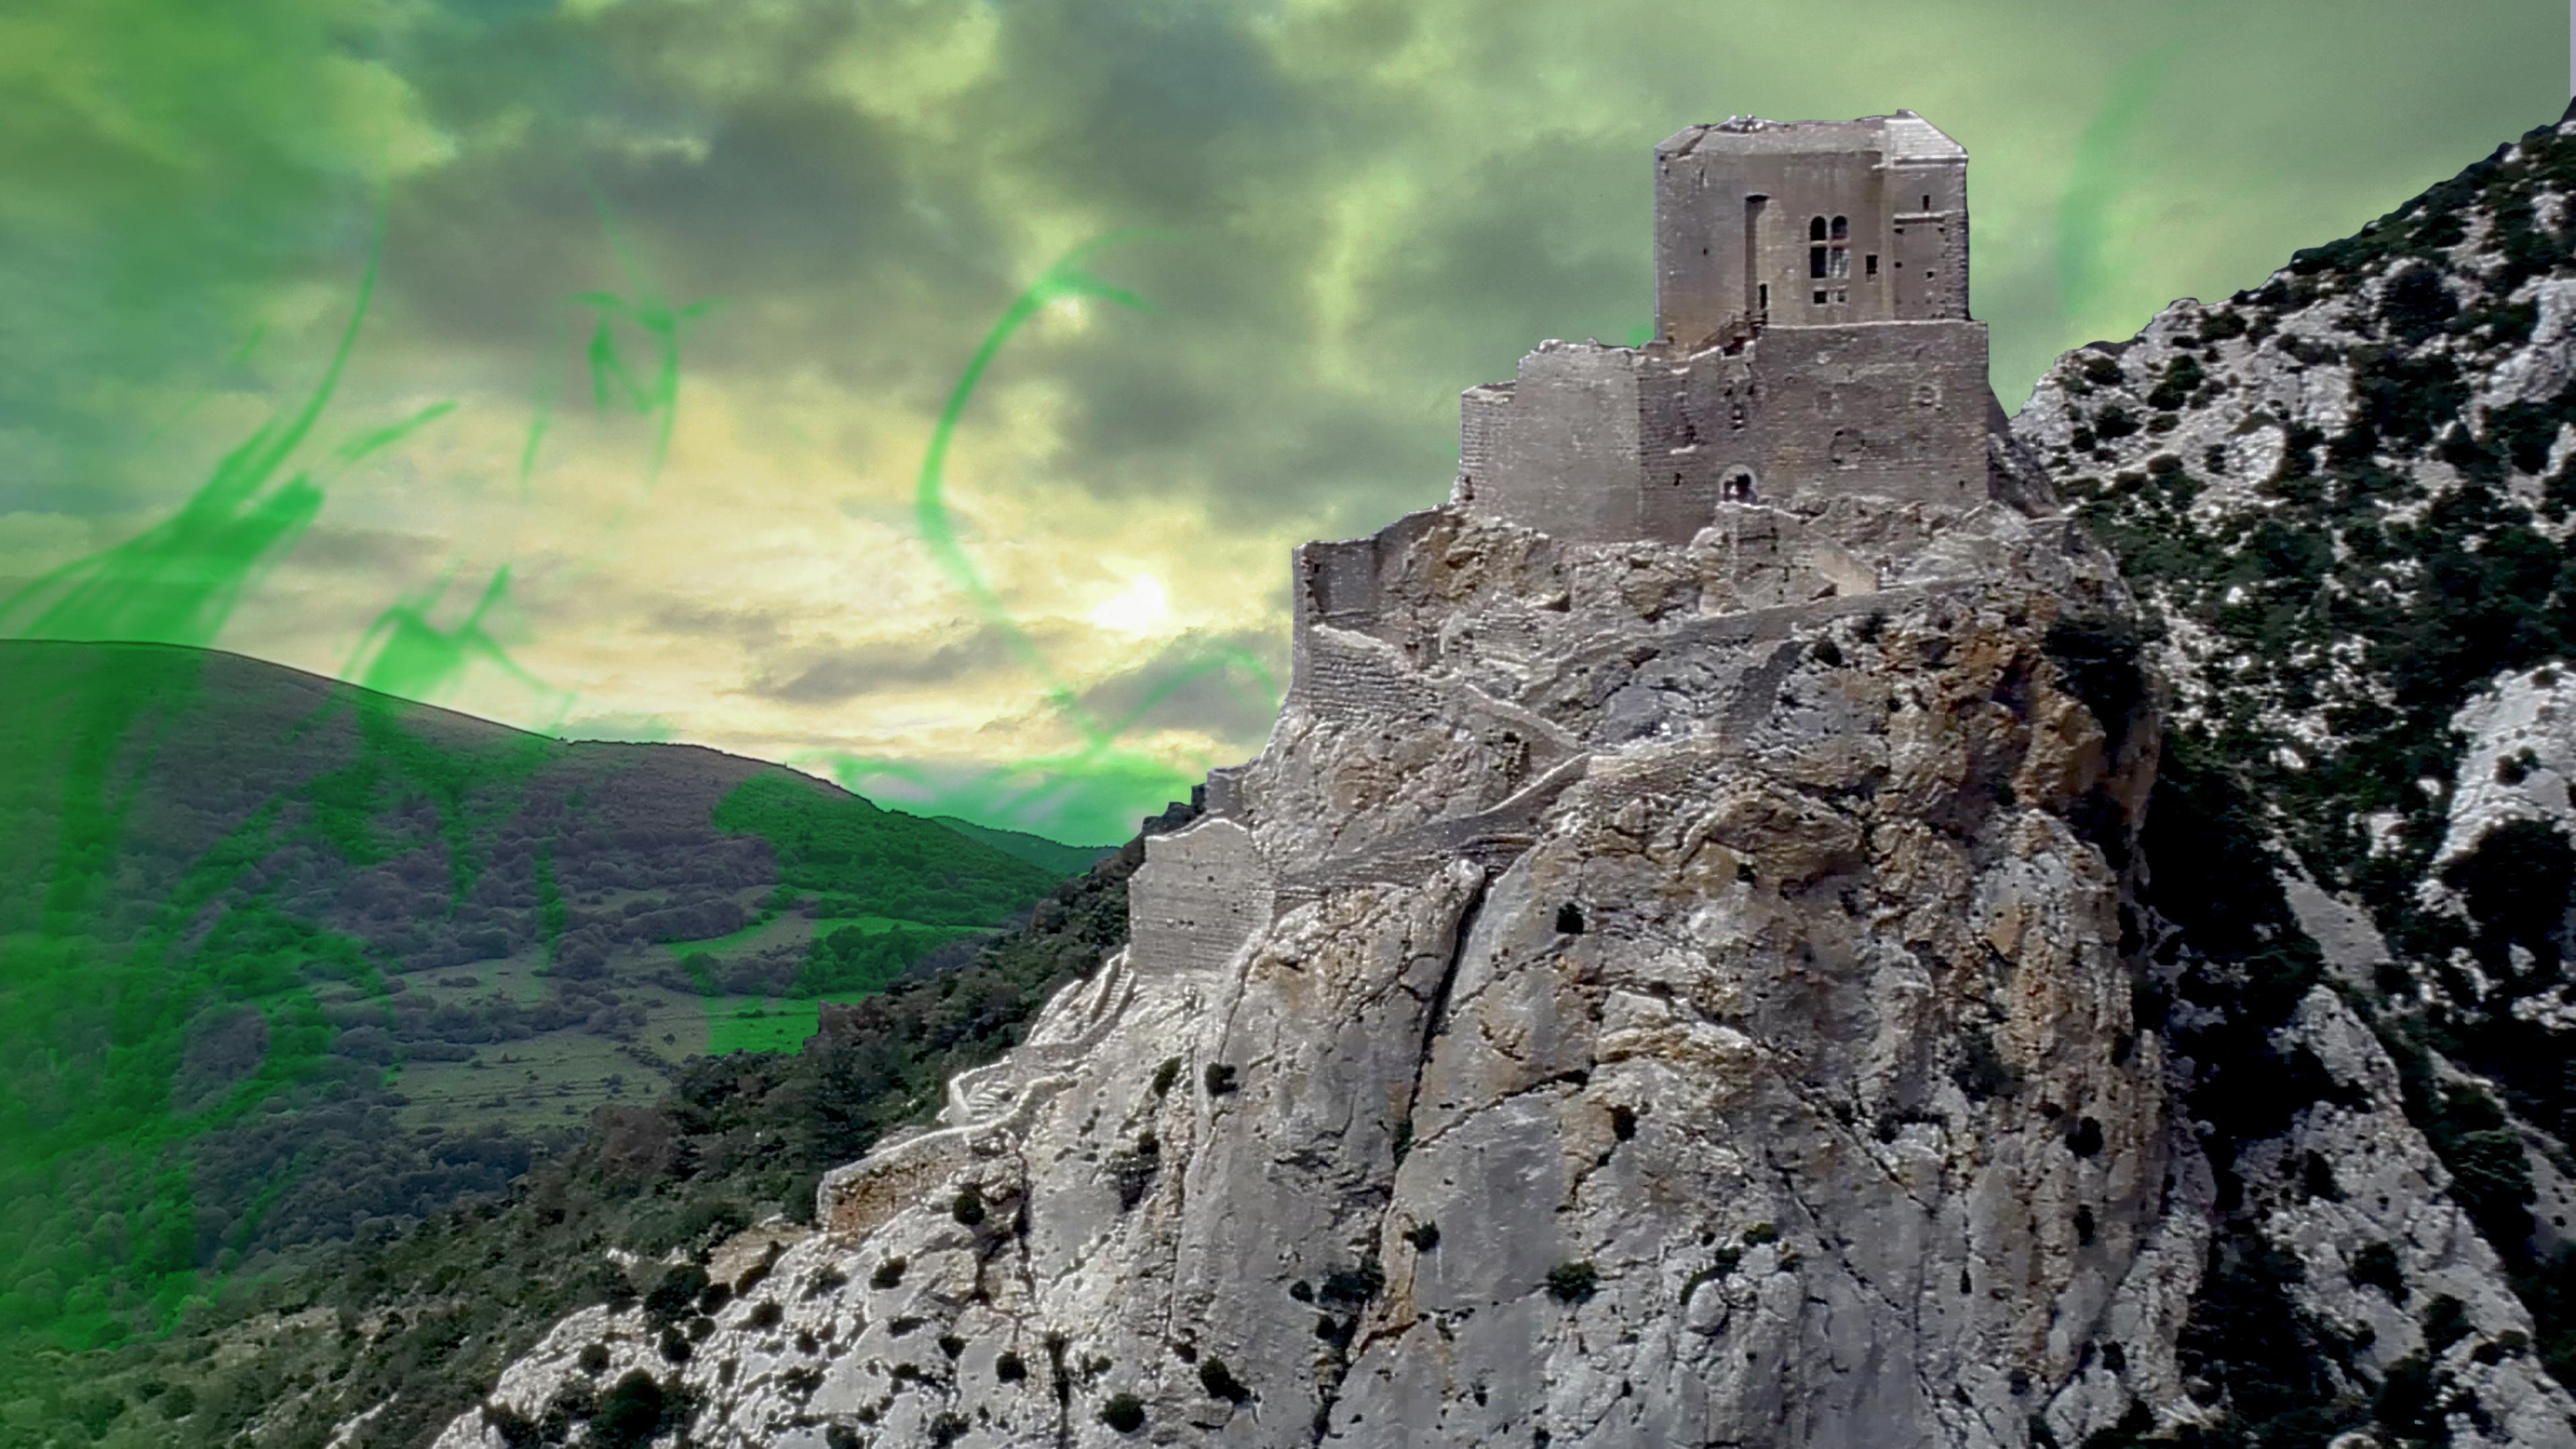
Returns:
<point x="1895" y="409"/>
<point x="1199" y="895"/>
<point x="1564" y="457"/>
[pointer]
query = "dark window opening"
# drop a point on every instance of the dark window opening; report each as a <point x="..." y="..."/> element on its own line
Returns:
<point x="1816" y="229"/>
<point x="1820" y="297"/>
<point x="1765" y="303"/>
<point x="1869" y="264"/>
<point x="1842" y="228"/>
<point x="1927" y="203"/>
<point x="1815" y="261"/>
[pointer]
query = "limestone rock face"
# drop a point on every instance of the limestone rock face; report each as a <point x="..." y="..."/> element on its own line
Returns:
<point x="2345" y="502"/>
<point x="1688" y="1006"/>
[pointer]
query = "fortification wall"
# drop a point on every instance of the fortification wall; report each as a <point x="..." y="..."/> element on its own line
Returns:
<point x="1892" y="409"/>
<point x="1564" y="453"/>
<point x="1197" y="898"/>
<point x="1225" y="791"/>
<point x="1343" y="673"/>
<point x="1480" y="418"/>
<point x="1333" y="584"/>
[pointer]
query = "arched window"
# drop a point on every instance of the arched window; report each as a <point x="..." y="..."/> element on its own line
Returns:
<point x="1829" y="254"/>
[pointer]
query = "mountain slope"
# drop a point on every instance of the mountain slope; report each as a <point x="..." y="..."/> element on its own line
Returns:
<point x="1036" y="849"/>
<point x="284" y="962"/>
<point x="2344" y="501"/>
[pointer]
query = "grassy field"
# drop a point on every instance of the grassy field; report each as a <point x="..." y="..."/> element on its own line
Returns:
<point x="554" y="1079"/>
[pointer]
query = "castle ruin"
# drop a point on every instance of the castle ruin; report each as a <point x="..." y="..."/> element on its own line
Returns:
<point x="1813" y="363"/>
<point x="1811" y="341"/>
<point x="1811" y="335"/>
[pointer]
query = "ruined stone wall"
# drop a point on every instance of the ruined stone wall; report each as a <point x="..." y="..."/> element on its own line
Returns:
<point x="1480" y="416"/>
<point x="1565" y="451"/>
<point x="1224" y="791"/>
<point x="1343" y="673"/>
<point x="1333" y="583"/>
<point x="1704" y="440"/>
<point x="1896" y="410"/>
<point x="1605" y="444"/>
<point x="1197" y="898"/>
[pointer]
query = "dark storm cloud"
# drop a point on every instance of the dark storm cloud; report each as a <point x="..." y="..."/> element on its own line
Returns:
<point x="376" y="551"/>
<point x="1197" y="683"/>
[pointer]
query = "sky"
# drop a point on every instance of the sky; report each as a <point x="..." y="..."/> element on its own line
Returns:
<point x="927" y="393"/>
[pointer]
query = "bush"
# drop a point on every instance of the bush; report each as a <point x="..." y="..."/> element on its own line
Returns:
<point x="632" y="1412"/>
<point x="1220" y="1382"/>
<point x="676" y="1293"/>
<point x="1124" y="1413"/>
<point x="2375" y="1266"/>
<point x="179" y="1402"/>
<point x="1572" y="1282"/>
<point x="1982" y="1072"/>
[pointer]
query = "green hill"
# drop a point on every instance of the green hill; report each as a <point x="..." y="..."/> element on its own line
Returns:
<point x="284" y="962"/>
<point x="1039" y="851"/>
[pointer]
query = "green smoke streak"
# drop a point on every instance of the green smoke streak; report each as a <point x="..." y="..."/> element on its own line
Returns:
<point x="2099" y="177"/>
<point x="1059" y="283"/>
<point x="406" y="655"/>
<point x="653" y="393"/>
<point x="1019" y="791"/>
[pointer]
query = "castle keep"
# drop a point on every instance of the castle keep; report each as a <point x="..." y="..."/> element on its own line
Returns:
<point x="1811" y="336"/>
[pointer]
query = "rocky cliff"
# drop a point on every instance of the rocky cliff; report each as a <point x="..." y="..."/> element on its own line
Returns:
<point x="1772" y="1062"/>
<point x="1800" y="987"/>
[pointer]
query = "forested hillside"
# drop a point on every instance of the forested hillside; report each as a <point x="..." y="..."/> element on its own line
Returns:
<point x="285" y="964"/>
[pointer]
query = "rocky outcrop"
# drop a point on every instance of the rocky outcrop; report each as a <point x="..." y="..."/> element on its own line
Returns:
<point x="1735" y="991"/>
<point x="1774" y="1079"/>
<point x="2343" y="499"/>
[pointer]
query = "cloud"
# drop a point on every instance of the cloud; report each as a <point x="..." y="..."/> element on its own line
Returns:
<point x="838" y="675"/>
<point x="1343" y="213"/>
<point x="1222" y="689"/>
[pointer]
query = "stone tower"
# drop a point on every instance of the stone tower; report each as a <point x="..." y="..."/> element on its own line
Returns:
<point x="1811" y="223"/>
<point x="1812" y="339"/>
